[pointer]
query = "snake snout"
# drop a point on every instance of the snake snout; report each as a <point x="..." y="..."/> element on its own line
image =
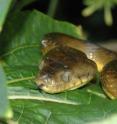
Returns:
<point x="41" y="86"/>
<point x="43" y="81"/>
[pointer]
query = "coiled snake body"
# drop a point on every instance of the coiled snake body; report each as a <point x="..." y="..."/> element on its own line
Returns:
<point x="70" y="63"/>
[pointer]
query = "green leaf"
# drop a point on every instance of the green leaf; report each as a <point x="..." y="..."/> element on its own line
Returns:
<point x="21" y="54"/>
<point x="4" y="7"/>
<point x="5" y="111"/>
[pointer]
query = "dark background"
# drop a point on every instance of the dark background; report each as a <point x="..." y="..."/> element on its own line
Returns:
<point x="70" y="10"/>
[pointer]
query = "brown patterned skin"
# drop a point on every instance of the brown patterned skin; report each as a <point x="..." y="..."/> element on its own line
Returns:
<point x="64" y="68"/>
<point x="109" y="79"/>
<point x="66" y="46"/>
<point x="101" y="56"/>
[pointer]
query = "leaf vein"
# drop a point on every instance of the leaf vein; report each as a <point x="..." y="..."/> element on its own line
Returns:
<point x="21" y="79"/>
<point x="19" y="48"/>
<point x="32" y="97"/>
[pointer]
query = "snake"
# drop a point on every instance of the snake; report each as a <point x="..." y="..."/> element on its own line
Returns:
<point x="69" y="63"/>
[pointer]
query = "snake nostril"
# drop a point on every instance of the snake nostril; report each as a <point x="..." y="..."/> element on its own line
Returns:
<point x="41" y="86"/>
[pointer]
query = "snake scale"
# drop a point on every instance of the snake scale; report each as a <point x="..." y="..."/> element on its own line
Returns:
<point x="70" y="63"/>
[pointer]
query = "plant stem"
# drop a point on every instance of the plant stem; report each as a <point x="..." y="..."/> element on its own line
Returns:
<point x="52" y="7"/>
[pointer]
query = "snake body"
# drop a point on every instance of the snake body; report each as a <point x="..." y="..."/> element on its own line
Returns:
<point x="70" y="63"/>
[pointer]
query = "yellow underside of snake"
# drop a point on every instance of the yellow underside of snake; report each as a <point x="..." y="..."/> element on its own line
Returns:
<point x="70" y="63"/>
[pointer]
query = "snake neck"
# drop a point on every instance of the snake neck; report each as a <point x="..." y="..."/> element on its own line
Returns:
<point x="101" y="56"/>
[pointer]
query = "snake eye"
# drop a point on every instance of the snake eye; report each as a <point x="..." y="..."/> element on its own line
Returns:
<point x="66" y="76"/>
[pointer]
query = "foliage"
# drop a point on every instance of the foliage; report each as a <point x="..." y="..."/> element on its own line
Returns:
<point x="5" y="111"/>
<point x="20" y="54"/>
<point x="96" y="5"/>
<point x="4" y="7"/>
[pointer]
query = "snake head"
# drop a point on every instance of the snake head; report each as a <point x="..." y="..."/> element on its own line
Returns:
<point x="53" y="83"/>
<point x="64" y="68"/>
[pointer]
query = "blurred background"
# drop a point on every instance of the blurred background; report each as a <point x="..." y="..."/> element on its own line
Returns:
<point x="88" y="13"/>
<point x="98" y="18"/>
